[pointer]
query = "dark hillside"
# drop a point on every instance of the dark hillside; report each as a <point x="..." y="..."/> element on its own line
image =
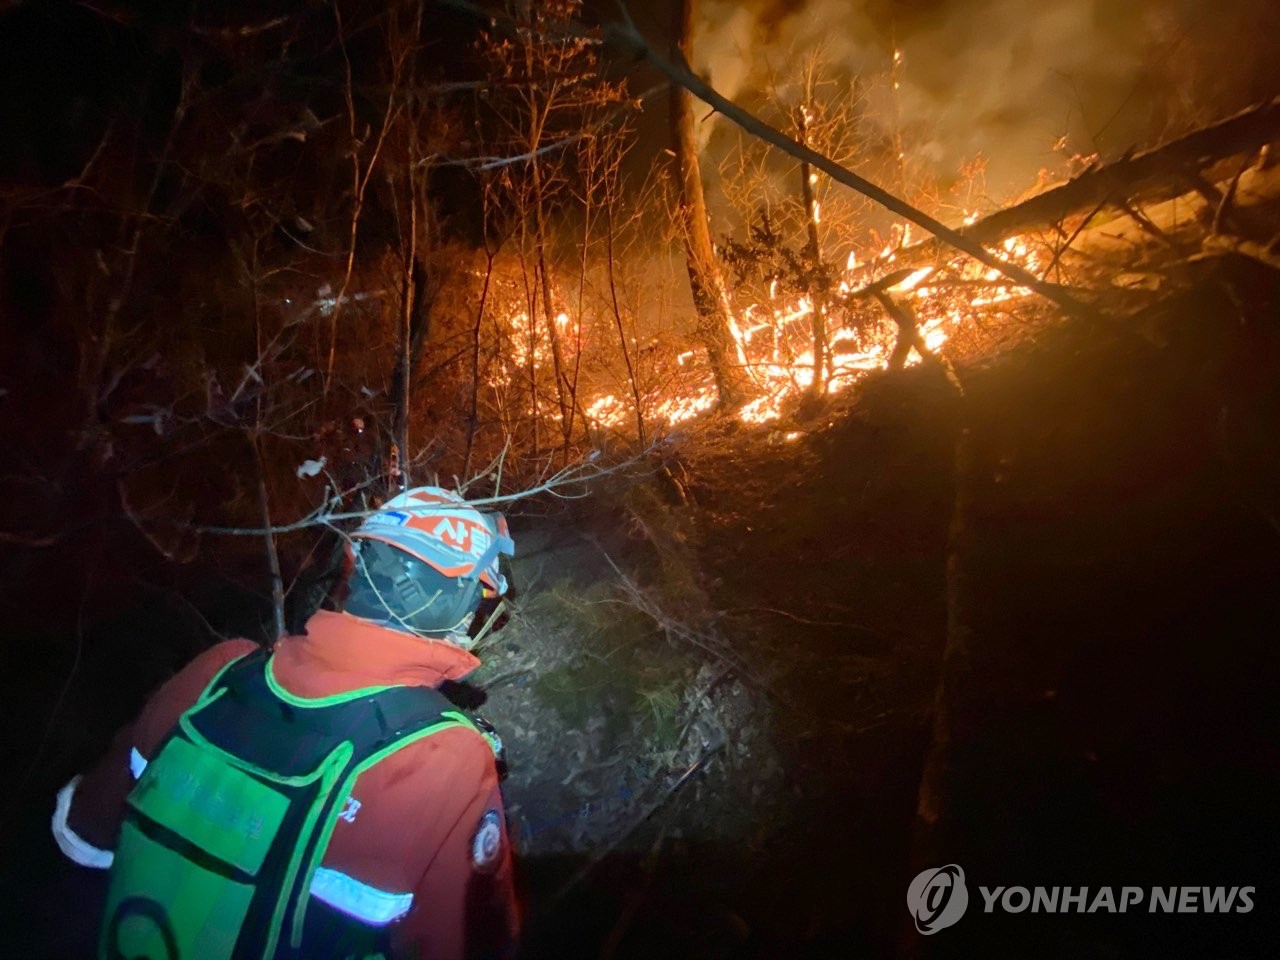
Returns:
<point x="1114" y="723"/>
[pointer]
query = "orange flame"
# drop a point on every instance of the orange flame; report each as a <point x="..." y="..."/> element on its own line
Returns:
<point x="772" y="339"/>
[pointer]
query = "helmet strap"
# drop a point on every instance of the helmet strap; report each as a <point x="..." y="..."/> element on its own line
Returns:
<point x="489" y="622"/>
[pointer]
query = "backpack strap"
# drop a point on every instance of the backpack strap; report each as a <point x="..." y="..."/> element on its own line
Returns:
<point x="369" y="720"/>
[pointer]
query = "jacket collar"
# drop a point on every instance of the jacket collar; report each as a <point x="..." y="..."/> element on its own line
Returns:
<point x="340" y="652"/>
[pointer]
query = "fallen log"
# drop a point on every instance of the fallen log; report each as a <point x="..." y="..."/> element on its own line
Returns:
<point x="1162" y="173"/>
<point x="1187" y="219"/>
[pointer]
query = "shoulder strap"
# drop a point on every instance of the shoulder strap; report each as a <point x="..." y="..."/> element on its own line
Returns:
<point x="369" y="722"/>
<point x="232" y="667"/>
<point x="399" y="711"/>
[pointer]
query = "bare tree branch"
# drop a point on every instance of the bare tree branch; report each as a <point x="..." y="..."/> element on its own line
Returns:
<point x="579" y="474"/>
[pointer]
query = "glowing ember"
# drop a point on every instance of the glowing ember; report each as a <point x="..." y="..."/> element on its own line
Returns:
<point x="912" y="280"/>
<point x="605" y="408"/>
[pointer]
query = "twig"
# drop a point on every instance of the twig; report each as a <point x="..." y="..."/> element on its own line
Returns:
<point x="273" y="556"/>
<point x="580" y="473"/>
<point x="805" y="620"/>
<point x="639" y="600"/>
<point x="504" y="678"/>
<point x="28" y="541"/>
<point x="1225" y="202"/>
<point x="488" y="624"/>
<point x="635" y="900"/>
<point x="1148" y="226"/>
<point x="493" y="163"/>
<point x="1057" y="253"/>
<point x="359" y="183"/>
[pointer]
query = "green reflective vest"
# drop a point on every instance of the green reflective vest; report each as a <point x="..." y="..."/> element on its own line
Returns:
<point x="227" y="824"/>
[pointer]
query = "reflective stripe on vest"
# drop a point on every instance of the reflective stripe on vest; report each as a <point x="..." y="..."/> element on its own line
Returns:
<point x="74" y="846"/>
<point x="359" y="900"/>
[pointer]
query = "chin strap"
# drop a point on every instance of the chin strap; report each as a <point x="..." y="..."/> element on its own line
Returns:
<point x="497" y="544"/>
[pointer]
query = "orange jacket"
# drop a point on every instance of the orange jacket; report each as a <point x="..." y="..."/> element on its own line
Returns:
<point x="413" y="820"/>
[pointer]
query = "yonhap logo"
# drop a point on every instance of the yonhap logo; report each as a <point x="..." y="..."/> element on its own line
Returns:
<point x="937" y="898"/>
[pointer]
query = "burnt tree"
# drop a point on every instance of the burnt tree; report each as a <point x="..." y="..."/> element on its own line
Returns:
<point x="710" y="300"/>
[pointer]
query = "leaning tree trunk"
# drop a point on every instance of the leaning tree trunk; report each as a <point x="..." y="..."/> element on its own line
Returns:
<point x="710" y="301"/>
<point x="1161" y="173"/>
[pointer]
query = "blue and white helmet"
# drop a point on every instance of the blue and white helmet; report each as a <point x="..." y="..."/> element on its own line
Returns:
<point x="423" y="563"/>
<point x="439" y="527"/>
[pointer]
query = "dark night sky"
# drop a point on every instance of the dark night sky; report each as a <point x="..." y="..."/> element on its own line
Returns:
<point x="1000" y="77"/>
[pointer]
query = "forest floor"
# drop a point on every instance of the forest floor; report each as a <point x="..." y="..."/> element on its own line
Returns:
<point x="716" y="680"/>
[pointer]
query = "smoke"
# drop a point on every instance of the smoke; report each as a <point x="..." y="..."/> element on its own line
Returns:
<point x="1005" y="79"/>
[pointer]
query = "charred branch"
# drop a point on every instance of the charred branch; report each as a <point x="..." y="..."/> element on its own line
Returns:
<point x="908" y="331"/>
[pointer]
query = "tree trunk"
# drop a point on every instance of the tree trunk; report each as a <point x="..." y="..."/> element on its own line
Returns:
<point x="622" y="334"/>
<point x="813" y="251"/>
<point x="473" y="417"/>
<point x="410" y="294"/>
<point x="710" y="301"/>
<point x="269" y="540"/>
<point x="953" y="694"/>
<point x="531" y="307"/>
<point x="415" y="325"/>
<point x="563" y="400"/>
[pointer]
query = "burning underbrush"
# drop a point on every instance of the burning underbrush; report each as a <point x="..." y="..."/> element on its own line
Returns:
<point x="1103" y="240"/>
<point x="958" y="300"/>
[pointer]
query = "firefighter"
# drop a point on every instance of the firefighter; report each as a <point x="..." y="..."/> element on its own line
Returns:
<point x="323" y="798"/>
